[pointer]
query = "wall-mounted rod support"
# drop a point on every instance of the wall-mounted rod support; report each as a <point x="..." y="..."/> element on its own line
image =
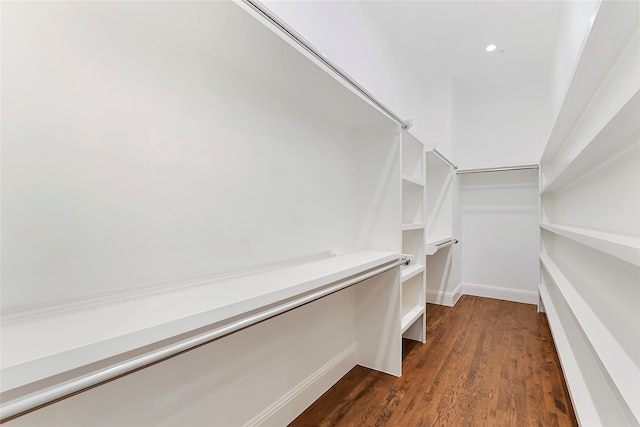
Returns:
<point x="302" y="42"/>
<point x="498" y="169"/>
<point x="439" y="154"/>
<point x="18" y="406"/>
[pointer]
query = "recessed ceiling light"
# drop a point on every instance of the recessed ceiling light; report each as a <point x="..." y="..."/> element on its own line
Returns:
<point x="490" y="48"/>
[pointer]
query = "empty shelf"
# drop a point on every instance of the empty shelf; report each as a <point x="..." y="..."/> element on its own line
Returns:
<point x="623" y="247"/>
<point x="413" y="315"/>
<point x="35" y="348"/>
<point x="411" y="271"/>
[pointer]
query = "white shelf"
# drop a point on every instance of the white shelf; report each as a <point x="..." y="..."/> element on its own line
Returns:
<point x="408" y="227"/>
<point x="565" y="331"/>
<point x="623" y="247"/>
<point x="594" y="63"/>
<point x="35" y="349"/>
<point x="412" y="180"/>
<point x="619" y="130"/>
<point x="618" y="365"/>
<point x="411" y="271"/>
<point x="433" y="242"/>
<point x="410" y="318"/>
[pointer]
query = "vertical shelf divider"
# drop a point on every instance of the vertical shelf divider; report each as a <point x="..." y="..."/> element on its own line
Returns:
<point x="413" y="177"/>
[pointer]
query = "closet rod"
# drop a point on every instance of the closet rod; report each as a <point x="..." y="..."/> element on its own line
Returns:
<point x="499" y="169"/>
<point x="447" y="243"/>
<point x="301" y="41"/>
<point x="13" y="408"/>
<point x="439" y="154"/>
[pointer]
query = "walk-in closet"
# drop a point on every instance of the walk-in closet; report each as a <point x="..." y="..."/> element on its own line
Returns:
<point x="264" y="213"/>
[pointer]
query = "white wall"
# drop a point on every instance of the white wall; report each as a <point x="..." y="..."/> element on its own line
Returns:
<point x="501" y="127"/>
<point x="357" y="44"/>
<point x="129" y="159"/>
<point x="500" y="235"/>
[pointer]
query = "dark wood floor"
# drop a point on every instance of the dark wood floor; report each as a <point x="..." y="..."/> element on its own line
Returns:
<point x="485" y="363"/>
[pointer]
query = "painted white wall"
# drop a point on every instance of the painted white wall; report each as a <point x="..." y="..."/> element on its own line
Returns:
<point x="127" y="161"/>
<point x="500" y="235"/>
<point x="357" y="44"/>
<point x="575" y="21"/>
<point x="501" y="127"/>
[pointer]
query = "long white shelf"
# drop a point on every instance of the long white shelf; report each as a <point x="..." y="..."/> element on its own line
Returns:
<point x="412" y="180"/>
<point x="413" y="315"/>
<point x="38" y="345"/>
<point x="622" y="370"/>
<point x="623" y="247"/>
<point x="610" y="28"/>
<point x="407" y="227"/>
<point x="563" y="332"/>
<point x="619" y="130"/>
<point x="411" y="271"/>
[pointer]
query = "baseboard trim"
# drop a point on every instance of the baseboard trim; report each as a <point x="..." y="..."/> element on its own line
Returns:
<point x="292" y="404"/>
<point x="497" y="292"/>
<point x="444" y="298"/>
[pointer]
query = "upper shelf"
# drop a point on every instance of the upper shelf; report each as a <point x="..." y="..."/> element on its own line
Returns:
<point x="614" y="23"/>
<point x="39" y="345"/>
<point x="622" y="128"/>
<point x="623" y="247"/>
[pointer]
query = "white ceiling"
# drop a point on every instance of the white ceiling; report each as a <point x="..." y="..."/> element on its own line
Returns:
<point x="452" y="35"/>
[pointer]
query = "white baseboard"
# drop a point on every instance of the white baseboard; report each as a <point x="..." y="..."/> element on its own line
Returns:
<point x="444" y="298"/>
<point x="292" y="404"/>
<point x="496" y="292"/>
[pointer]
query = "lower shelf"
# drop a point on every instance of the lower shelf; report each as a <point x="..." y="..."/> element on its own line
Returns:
<point x="35" y="349"/>
<point x="413" y="315"/>
<point x="599" y="376"/>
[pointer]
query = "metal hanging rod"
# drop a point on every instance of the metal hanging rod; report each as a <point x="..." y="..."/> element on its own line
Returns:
<point x="302" y="42"/>
<point x="498" y="169"/>
<point x="16" y="407"/>
<point x="447" y="243"/>
<point x="439" y="154"/>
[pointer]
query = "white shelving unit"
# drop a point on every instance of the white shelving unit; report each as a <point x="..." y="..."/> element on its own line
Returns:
<point x="412" y="154"/>
<point x="146" y="171"/>
<point x="438" y="201"/>
<point x="590" y="205"/>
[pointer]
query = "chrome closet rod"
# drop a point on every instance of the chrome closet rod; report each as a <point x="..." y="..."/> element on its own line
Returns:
<point x="20" y="405"/>
<point x="447" y="243"/>
<point x="498" y="169"/>
<point x="301" y="41"/>
<point x="439" y="154"/>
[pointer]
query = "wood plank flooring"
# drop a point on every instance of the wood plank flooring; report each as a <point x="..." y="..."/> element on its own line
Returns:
<point x="485" y="363"/>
